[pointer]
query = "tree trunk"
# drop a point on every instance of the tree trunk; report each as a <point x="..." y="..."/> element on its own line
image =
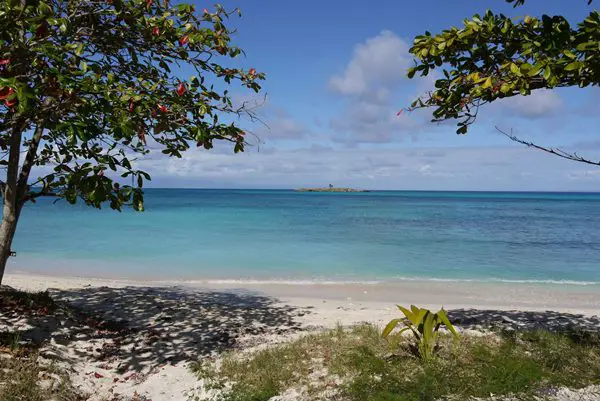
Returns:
<point x="11" y="208"/>
<point x="7" y="232"/>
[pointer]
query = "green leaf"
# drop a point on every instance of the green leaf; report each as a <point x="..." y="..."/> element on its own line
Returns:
<point x="515" y="69"/>
<point x="443" y="316"/>
<point x="409" y="315"/>
<point x="535" y="70"/>
<point x="390" y="327"/>
<point x="586" y="46"/>
<point x="573" y="66"/>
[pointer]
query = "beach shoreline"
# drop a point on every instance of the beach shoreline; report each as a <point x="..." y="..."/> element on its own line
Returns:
<point x="361" y="302"/>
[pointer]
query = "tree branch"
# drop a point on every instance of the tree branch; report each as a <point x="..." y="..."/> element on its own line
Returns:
<point x="34" y="195"/>
<point x="10" y="187"/>
<point x="555" y="151"/>
<point x="28" y="162"/>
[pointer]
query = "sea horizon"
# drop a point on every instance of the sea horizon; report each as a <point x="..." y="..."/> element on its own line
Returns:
<point x="295" y="189"/>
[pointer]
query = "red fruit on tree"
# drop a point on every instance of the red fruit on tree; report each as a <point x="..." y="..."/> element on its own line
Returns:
<point x="252" y="71"/>
<point x="155" y="31"/>
<point x="4" y="61"/>
<point x="162" y="108"/>
<point x="131" y="106"/>
<point x="181" y="89"/>
<point x="6" y="92"/>
<point x="205" y="11"/>
<point x="149" y="3"/>
<point x="142" y="135"/>
<point x="184" y="40"/>
<point x="101" y="173"/>
<point x="42" y="30"/>
<point x="153" y="113"/>
<point x="10" y="103"/>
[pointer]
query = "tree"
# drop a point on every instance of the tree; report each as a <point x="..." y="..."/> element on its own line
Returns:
<point x="89" y="86"/>
<point x="493" y="57"/>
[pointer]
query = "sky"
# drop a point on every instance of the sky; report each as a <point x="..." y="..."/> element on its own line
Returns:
<point x="336" y="77"/>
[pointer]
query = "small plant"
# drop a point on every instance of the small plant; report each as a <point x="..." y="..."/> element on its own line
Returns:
<point x="14" y="339"/>
<point x="424" y="325"/>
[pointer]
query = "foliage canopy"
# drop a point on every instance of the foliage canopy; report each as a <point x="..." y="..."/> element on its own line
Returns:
<point x="91" y="85"/>
<point x="493" y="56"/>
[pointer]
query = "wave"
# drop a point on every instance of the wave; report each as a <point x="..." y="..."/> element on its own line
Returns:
<point x="387" y="281"/>
<point x="284" y="282"/>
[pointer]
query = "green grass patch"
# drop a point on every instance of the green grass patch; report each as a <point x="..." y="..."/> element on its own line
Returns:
<point x="24" y="378"/>
<point x="357" y="364"/>
<point x="23" y="374"/>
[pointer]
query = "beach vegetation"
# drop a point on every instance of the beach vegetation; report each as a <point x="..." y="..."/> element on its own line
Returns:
<point x="358" y="364"/>
<point x="89" y="88"/>
<point x="29" y="377"/>
<point x="424" y="326"/>
<point x="494" y="56"/>
<point x="24" y="373"/>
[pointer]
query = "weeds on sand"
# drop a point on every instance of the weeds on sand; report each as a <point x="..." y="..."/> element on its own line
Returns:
<point x="23" y="301"/>
<point x="357" y="364"/>
<point x="25" y="378"/>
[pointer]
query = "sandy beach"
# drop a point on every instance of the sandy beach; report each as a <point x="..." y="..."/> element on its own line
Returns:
<point x="349" y="303"/>
<point x="158" y="327"/>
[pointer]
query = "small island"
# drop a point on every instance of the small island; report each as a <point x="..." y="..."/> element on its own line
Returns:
<point x="331" y="188"/>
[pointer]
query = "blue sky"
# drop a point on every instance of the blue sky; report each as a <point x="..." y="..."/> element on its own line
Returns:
<point x="335" y="80"/>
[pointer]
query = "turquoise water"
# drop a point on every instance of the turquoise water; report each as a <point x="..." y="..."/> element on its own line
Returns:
<point x="283" y="235"/>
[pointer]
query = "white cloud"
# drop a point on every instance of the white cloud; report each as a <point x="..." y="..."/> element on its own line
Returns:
<point x="541" y="103"/>
<point x="379" y="61"/>
<point x="370" y="121"/>
<point x="274" y="123"/>
<point x="501" y="168"/>
<point x="280" y="125"/>
<point x="370" y="84"/>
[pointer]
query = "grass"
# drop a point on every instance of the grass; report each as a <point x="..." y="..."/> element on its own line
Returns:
<point x="23" y="374"/>
<point x="357" y="364"/>
<point x="25" y="378"/>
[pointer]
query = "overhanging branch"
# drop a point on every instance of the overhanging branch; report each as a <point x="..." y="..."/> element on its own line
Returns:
<point x="555" y="151"/>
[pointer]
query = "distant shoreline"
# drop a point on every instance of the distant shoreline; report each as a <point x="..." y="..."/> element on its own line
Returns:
<point x="330" y="189"/>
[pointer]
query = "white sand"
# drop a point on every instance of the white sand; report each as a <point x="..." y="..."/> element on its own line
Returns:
<point x="178" y="322"/>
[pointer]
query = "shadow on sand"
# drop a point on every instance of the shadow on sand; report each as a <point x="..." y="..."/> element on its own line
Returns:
<point x="523" y="320"/>
<point x="140" y="328"/>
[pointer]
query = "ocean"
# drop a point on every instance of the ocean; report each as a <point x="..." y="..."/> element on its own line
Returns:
<point x="282" y="235"/>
